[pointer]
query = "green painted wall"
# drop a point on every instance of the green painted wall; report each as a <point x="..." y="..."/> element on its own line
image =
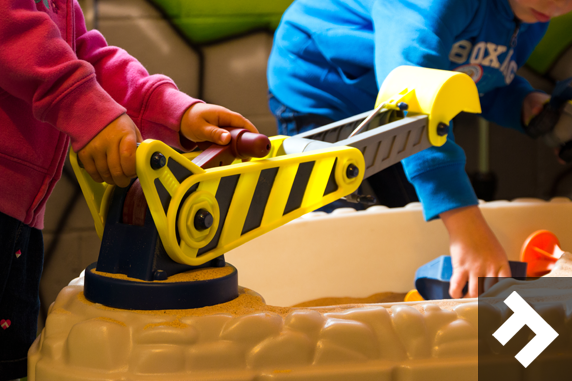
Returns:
<point x="557" y="39"/>
<point x="204" y="21"/>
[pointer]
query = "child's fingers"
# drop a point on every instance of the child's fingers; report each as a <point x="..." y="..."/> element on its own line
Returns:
<point x="227" y="118"/>
<point x="493" y="275"/>
<point x="458" y="281"/>
<point x="212" y="134"/>
<point x="114" y="163"/>
<point x="504" y="271"/>
<point x="100" y="160"/>
<point x="127" y="153"/>
<point x="89" y="166"/>
<point x="473" y="291"/>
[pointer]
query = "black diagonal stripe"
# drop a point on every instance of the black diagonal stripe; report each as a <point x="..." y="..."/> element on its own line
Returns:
<point x="259" y="200"/>
<point x="223" y="196"/>
<point x="299" y="186"/>
<point x="163" y="193"/>
<point x="332" y="186"/>
<point x="180" y="172"/>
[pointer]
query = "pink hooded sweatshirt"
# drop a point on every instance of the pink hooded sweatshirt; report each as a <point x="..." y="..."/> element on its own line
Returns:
<point x="59" y="82"/>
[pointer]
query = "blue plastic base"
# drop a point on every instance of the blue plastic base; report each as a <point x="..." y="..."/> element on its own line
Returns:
<point x="133" y="295"/>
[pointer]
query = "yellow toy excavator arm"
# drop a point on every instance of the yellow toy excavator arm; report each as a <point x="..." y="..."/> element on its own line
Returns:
<point x="439" y="94"/>
<point x="200" y="214"/>
<point x="244" y="200"/>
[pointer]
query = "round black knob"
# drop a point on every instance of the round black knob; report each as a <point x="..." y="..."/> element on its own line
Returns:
<point x="203" y="220"/>
<point x="442" y="129"/>
<point x="352" y="171"/>
<point x="158" y="160"/>
<point x="403" y="106"/>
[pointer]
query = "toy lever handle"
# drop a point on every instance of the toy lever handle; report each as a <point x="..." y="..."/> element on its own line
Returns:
<point x="246" y="144"/>
<point x="243" y="145"/>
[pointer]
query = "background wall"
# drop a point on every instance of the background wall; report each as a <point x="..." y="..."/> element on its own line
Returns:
<point x="231" y="72"/>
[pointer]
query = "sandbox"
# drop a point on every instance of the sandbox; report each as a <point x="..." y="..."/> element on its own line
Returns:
<point x="345" y="254"/>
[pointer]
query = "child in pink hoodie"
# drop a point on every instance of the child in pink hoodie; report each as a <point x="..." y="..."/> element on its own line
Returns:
<point x="60" y="84"/>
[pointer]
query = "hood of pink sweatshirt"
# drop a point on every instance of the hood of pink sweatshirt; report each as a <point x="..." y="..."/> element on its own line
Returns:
<point x="60" y="83"/>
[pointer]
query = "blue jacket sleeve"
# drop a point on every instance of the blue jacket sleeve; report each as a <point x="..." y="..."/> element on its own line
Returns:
<point x="421" y="33"/>
<point x="439" y="177"/>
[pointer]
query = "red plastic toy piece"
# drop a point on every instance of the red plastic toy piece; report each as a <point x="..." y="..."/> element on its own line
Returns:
<point x="243" y="145"/>
<point x="541" y="251"/>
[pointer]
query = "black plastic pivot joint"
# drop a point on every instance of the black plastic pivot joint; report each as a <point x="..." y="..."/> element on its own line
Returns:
<point x="203" y="220"/>
<point x="403" y="106"/>
<point x="352" y="171"/>
<point x="158" y="160"/>
<point x="442" y="129"/>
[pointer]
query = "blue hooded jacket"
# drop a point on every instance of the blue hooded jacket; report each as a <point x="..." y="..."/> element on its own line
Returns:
<point x="330" y="56"/>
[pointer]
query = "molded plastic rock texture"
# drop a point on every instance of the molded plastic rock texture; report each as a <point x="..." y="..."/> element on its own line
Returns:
<point x="85" y="341"/>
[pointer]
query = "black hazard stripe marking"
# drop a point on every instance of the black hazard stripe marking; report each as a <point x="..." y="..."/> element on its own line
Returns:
<point x="259" y="199"/>
<point x="163" y="194"/>
<point x="181" y="173"/>
<point x="332" y="186"/>
<point x="299" y="186"/>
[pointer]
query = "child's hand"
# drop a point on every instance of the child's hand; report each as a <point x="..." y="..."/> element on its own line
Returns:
<point x="110" y="155"/>
<point x="201" y="123"/>
<point x="475" y="251"/>
<point x="532" y="105"/>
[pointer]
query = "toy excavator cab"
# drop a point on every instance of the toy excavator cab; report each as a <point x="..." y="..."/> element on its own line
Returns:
<point x="184" y="211"/>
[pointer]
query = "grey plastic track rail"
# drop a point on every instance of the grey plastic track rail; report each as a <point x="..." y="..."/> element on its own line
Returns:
<point x="381" y="146"/>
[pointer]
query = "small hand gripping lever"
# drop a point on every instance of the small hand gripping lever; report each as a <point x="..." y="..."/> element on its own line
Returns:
<point x="243" y="145"/>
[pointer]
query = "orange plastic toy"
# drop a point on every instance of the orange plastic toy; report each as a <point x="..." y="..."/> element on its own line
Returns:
<point x="540" y="251"/>
<point x="413" y="296"/>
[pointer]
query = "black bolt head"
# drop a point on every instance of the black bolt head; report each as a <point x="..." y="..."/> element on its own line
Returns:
<point x="403" y="106"/>
<point x="159" y="275"/>
<point x="352" y="171"/>
<point x="158" y="160"/>
<point x="442" y="129"/>
<point x="203" y="219"/>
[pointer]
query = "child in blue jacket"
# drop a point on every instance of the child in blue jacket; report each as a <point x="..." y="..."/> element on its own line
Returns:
<point x="330" y="57"/>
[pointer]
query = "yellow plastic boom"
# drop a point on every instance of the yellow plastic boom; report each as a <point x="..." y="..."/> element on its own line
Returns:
<point x="439" y="94"/>
<point x="299" y="175"/>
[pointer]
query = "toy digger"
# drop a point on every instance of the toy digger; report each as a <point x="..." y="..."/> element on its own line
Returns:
<point x="184" y="211"/>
